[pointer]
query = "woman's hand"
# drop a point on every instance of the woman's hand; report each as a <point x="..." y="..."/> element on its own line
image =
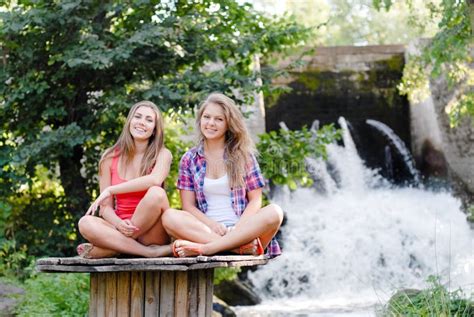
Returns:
<point x="229" y="229"/>
<point x="218" y="228"/>
<point x="126" y="227"/>
<point x="102" y="197"/>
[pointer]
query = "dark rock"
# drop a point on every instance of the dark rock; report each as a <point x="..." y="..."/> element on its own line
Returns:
<point x="236" y="293"/>
<point x="221" y="307"/>
<point x="8" y="299"/>
<point x="433" y="162"/>
<point x="402" y="298"/>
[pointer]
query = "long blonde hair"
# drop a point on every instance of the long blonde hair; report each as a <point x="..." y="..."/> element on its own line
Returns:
<point x="238" y="145"/>
<point x="126" y="147"/>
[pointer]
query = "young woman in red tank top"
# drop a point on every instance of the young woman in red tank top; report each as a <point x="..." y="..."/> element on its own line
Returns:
<point x="132" y="200"/>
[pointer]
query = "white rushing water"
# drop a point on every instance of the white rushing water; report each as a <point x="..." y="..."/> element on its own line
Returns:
<point x="398" y="144"/>
<point x="347" y="248"/>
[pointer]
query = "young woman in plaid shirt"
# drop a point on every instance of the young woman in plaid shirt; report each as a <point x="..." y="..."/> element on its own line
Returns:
<point x="221" y="190"/>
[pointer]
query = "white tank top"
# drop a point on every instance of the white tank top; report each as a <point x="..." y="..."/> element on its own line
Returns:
<point x="219" y="202"/>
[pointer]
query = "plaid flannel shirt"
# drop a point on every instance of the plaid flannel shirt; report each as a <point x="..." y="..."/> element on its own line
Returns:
<point x="192" y="170"/>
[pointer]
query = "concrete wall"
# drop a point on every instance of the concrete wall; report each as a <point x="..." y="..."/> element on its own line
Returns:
<point x="341" y="58"/>
<point x="357" y="83"/>
<point x="430" y="123"/>
<point x="354" y="82"/>
<point x="457" y="142"/>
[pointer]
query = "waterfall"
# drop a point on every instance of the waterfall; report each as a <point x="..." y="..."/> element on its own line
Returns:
<point x="388" y="161"/>
<point x="351" y="245"/>
<point x="399" y="145"/>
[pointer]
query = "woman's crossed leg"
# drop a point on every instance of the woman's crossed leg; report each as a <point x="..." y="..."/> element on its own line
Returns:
<point x="196" y="238"/>
<point x="150" y="240"/>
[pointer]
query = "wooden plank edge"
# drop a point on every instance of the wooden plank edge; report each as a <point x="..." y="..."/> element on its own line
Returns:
<point x="248" y="263"/>
<point x="107" y="268"/>
<point x="108" y="261"/>
<point x="230" y="258"/>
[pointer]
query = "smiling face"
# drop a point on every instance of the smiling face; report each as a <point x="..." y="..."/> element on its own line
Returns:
<point x="143" y="123"/>
<point x="213" y="123"/>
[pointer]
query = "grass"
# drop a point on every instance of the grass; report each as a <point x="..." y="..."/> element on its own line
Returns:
<point x="55" y="294"/>
<point x="433" y="301"/>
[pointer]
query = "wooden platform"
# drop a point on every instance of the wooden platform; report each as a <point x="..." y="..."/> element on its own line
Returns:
<point x="149" y="287"/>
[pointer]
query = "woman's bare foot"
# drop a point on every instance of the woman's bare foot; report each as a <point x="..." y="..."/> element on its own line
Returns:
<point x="157" y="251"/>
<point x="254" y="247"/>
<point x="184" y="248"/>
<point x="90" y="251"/>
<point x="247" y="249"/>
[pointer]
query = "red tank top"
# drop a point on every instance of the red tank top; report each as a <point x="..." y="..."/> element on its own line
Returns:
<point x="125" y="204"/>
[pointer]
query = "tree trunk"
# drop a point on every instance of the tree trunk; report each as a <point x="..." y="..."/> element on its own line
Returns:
<point x="74" y="184"/>
<point x="470" y="7"/>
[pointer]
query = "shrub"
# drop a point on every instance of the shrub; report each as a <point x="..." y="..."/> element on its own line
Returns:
<point x="434" y="301"/>
<point x="174" y="131"/>
<point x="55" y="294"/>
<point x="225" y="274"/>
<point x="470" y="213"/>
<point x="282" y="154"/>
<point x="34" y="219"/>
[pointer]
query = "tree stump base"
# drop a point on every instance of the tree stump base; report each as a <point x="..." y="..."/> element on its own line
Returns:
<point x="149" y="287"/>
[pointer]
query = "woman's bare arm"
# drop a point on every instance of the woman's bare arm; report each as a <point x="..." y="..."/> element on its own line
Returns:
<point x="254" y="204"/>
<point x="188" y="200"/>
<point x="155" y="178"/>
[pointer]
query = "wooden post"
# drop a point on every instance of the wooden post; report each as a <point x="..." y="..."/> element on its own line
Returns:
<point x="164" y="287"/>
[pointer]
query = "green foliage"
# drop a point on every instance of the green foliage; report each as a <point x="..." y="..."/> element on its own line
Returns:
<point x="55" y="294"/>
<point x="225" y="274"/>
<point x="282" y="154"/>
<point x="14" y="262"/>
<point x="448" y="55"/>
<point x="385" y="4"/>
<point x="35" y="221"/>
<point x="434" y="301"/>
<point x="71" y="69"/>
<point x="463" y="107"/>
<point x="174" y="142"/>
<point x="470" y="213"/>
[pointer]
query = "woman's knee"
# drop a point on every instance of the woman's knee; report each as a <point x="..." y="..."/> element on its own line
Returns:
<point x="170" y="219"/>
<point x="276" y="215"/>
<point x="156" y="194"/>
<point x="85" y="224"/>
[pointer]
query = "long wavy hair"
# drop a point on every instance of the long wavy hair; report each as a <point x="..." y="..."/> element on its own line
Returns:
<point x="126" y="147"/>
<point x="238" y="145"/>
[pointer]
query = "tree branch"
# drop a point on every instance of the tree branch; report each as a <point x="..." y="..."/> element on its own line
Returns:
<point x="470" y="7"/>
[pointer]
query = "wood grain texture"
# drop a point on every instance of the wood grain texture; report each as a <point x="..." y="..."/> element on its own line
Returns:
<point x="193" y="292"/>
<point x="202" y="293"/>
<point x="111" y="294"/>
<point x="209" y="290"/>
<point x="137" y="294"/>
<point x="93" y="294"/>
<point x="80" y="265"/>
<point x="109" y="268"/>
<point x="181" y="304"/>
<point x="123" y="293"/>
<point x="167" y="294"/>
<point x="101" y="281"/>
<point x="152" y="293"/>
